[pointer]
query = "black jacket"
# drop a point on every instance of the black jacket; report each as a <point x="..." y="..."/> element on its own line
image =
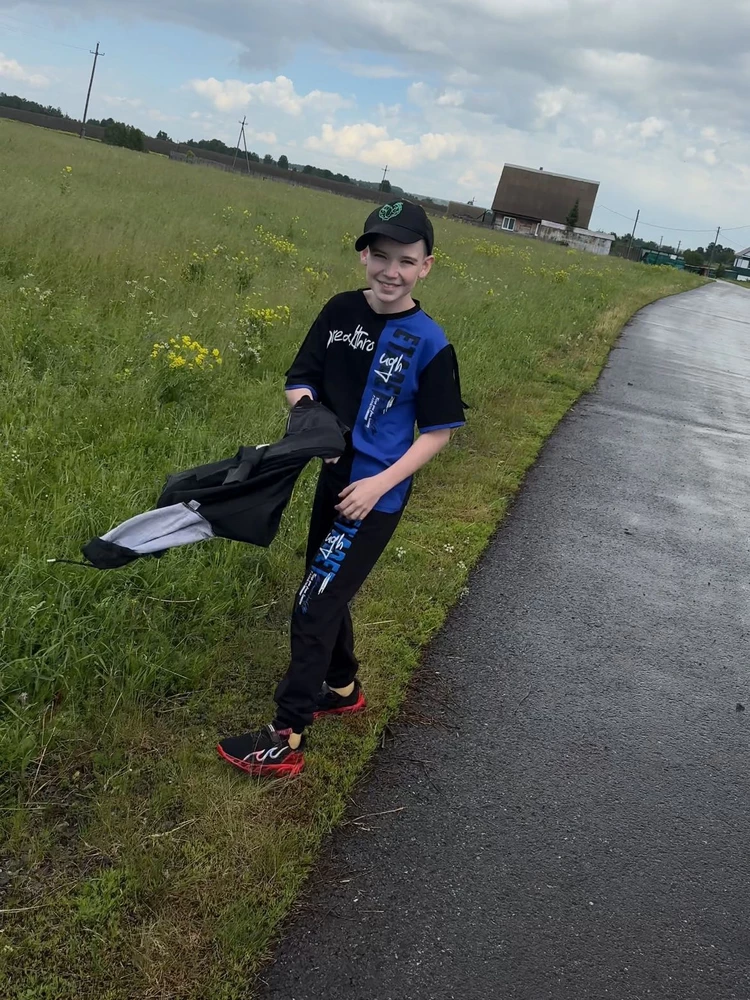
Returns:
<point x="242" y="498"/>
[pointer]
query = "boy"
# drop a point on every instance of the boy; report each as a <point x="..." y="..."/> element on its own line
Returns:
<point x="381" y="365"/>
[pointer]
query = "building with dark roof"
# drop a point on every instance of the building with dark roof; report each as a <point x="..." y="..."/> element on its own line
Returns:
<point x="526" y="197"/>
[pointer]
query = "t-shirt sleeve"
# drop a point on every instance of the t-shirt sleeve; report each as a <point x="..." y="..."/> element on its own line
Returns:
<point x="306" y="371"/>
<point x="439" y="403"/>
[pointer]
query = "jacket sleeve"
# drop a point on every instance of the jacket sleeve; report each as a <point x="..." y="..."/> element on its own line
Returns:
<point x="306" y="371"/>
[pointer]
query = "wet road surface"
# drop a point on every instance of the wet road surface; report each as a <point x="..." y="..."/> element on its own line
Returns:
<point x="572" y="772"/>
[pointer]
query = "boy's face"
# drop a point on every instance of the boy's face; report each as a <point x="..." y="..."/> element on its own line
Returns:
<point x="393" y="269"/>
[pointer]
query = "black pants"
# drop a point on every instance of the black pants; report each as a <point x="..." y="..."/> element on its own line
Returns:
<point x="340" y="557"/>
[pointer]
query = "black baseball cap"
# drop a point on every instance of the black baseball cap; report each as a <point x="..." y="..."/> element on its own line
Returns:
<point x="402" y="221"/>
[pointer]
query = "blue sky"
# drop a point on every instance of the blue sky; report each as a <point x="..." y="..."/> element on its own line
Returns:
<point x="444" y="91"/>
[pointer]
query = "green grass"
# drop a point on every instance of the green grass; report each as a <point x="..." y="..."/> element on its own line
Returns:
<point x="134" y="864"/>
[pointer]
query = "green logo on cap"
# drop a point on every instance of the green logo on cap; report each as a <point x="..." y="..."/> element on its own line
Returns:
<point x="388" y="212"/>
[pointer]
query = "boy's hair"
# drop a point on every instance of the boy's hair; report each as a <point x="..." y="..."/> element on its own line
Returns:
<point x="402" y="221"/>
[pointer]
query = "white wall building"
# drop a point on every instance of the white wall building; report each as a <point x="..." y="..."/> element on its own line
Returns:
<point x="742" y="264"/>
<point x="580" y="239"/>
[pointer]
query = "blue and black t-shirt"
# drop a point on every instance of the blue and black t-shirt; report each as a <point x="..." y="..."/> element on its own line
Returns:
<point x="381" y="375"/>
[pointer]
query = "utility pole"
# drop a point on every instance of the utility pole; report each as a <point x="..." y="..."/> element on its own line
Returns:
<point x="630" y="245"/>
<point x="243" y="137"/>
<point x="385" y="174"/>
<point x="713" y="248"/>
<point x="678" y="247"/>
<point x="96" y="55"/>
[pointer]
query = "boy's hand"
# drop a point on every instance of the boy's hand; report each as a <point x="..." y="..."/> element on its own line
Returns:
<point x="358" y="499"/>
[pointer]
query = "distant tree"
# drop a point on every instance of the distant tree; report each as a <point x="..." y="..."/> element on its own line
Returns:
<point x="128" y="136"/>
<point x="721" y="254"/>
<point x="573" y="215"/>
<point x="21" y="104"/>
<point x="269" y="160"/>
<point x="307" y="169"/>
<point x="283" y="162"/>
<point x="693" y="258"/>
<point x="161" y="134"/>
<point x="385" y="186"/>
<point x="253" y="157"/>
<point x="215" y="145"/>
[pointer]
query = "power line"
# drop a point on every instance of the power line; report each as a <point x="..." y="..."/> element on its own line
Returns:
<point x="28" y="30"/>
<point x="734" y="246"/>
<point x="671" y="229"/>
<point x="653" y="225"/>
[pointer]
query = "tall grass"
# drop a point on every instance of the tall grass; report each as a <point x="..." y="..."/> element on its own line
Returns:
<point x="133" y="864"/>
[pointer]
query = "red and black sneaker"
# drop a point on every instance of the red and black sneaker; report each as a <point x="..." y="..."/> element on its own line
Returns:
<point x="263" y="753"/>
<point x="330" y="703"/>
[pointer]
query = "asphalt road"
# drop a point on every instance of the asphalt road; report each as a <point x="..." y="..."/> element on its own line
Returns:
<point x="573" y="768"/>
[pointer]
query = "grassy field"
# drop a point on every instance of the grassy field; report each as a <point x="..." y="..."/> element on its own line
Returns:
<point x="133" y="863"/>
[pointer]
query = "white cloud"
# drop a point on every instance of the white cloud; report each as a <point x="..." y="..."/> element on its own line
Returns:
<point x="649" y="128"/>
<point x="268" y="137"/>
<point x="462" y="78"/>
<point x="469" y="179"/>
<point x="389" y="112"/>
<point x="13" y="70"/>
<point x="128" y="102"/>
<point x="599" y="139"/>
<point x="451" y="99"/>
<point x="231" y="95"/>
<point x="158" y="116"/>
<point x="368" y="143"/>
<point x="373" y="72"/>
<point x="551" y="103"/>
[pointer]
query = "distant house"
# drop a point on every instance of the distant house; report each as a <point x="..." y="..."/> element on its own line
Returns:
<point x="468" y="213"/>
<point x="742" y="265"/>
<point x="526" y="197"/>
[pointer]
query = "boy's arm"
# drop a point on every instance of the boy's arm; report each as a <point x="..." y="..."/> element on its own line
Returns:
<point x="305" y="375"/>
<point x="358" y="499"/>
<point x="293" y="396"/>
<point x="439" y="411"/>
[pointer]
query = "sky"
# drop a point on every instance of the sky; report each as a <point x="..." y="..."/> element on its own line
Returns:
<point x="648" y="97"/>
